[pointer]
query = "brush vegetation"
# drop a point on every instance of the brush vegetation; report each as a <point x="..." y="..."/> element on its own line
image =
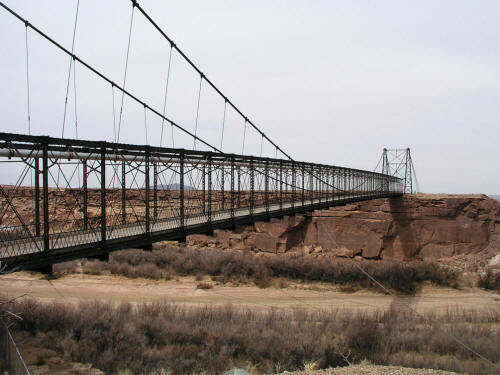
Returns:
<point x="170" y="339"/>
<point x="244" y="267"/>
<point x="490" y="280"/>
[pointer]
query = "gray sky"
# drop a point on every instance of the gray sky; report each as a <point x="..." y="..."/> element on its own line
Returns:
<point x="330" y="81"/>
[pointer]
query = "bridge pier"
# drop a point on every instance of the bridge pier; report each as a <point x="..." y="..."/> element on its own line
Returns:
<point x="45" y="270"/>
<point x="147" y="247"/>
<point x="102" y="257"/>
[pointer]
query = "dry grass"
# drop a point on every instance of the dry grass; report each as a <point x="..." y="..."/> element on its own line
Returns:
<point x="243" y="267"/>
<point x="211" y="340"/>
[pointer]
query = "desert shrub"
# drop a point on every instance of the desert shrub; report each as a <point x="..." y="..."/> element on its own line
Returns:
<point x="209" y="339"/>
<point x="225" y="266"/>
<point x="40" y="360"/>
<point x="204" y="285"/>
<point x="94" y="267"/>
<point x="264" y="281"/>
<point x="281" y="283"/>
<point x="489" y="280"/>
<point x="149" y="271"/>
<point x="65" y="268"/>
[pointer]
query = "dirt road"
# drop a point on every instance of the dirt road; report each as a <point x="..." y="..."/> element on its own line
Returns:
<point x="75" y="288"/>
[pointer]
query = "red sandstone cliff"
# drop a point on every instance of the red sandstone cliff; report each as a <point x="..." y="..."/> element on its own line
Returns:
<point x="416" y="226"/>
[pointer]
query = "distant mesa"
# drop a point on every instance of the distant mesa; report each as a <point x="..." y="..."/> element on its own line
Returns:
<point x="174" y="187"/>
<point x="497" y="197"/>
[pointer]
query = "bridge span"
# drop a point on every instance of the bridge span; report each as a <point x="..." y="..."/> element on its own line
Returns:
<point x="62" y="199"/>
<point x="74" y="198"/>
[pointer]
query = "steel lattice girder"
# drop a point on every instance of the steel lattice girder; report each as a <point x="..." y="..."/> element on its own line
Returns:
<point x="116" y="199"/>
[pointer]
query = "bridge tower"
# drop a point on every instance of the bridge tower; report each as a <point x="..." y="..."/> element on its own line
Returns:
<point x="397" y="162"/>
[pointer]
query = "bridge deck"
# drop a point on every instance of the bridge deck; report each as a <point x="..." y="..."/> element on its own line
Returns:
<point x="77" y="198"/>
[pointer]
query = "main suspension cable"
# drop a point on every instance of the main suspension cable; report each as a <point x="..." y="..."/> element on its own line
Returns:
<point x="102" y="76"/>
<point x="125" y="72"/>
<point x="71" y="62"/>
<point x="173" y="45"/>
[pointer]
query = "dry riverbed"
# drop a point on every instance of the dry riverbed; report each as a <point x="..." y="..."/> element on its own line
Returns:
<point x="78" y="287"/>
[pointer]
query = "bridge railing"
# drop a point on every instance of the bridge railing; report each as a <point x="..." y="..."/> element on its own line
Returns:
<point x="60" y="194"/>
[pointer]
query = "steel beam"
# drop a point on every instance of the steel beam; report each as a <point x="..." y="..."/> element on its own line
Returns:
<point x="37" y="197"/>
<point x="280" y="179"/>
<point x="155" y="191"/>
<point x="124" y="193"/>
<point x="222" y="189"/>
<point x="203" y="188"/>
<point x="146" y="195"/>
<point x="85" y="196"/>
<point x="181" y="191"/>
<point x="209" y="178"/>
<point x="252" y="188"/>
<point x="103" y="197"/>
<point x="266" y="187"/>
<point x="232" y="189"/>
<point x="45" y="183"/>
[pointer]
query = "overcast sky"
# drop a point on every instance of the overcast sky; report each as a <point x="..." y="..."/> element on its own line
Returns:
<point x="330" y="81"/>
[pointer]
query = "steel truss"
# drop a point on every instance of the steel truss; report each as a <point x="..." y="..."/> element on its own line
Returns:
<point x="397" y="162"/>
<point x="75" y="198"/>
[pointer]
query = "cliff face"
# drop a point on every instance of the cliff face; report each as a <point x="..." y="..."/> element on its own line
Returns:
<point x="418" y="226"/>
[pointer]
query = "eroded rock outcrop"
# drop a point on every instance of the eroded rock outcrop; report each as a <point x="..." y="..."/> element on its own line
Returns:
<point x="417" y="226"/>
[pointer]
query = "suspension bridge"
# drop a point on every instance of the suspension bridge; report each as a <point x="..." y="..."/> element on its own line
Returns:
<point x="71" y="198"/>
